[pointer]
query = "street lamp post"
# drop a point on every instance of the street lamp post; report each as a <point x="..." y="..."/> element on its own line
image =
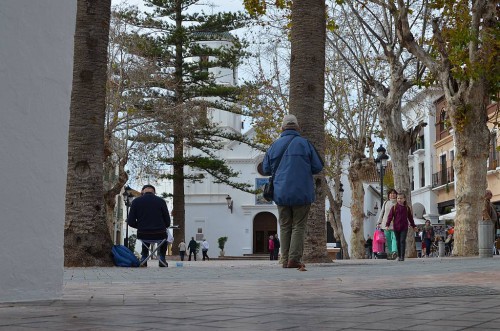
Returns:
<point x="381" y="162"/>
<point x="340" y="255"/>
<point x="127" y="199"/>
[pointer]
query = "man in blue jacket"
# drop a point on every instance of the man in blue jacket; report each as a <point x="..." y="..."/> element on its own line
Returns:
<point x="149" y="215"/>
<point x="293" y="161"/>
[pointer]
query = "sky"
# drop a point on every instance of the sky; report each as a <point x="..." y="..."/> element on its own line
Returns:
<point x="218" y="5"/>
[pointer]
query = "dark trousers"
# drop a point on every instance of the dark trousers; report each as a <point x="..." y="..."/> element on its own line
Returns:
<point x="401" y="242"/>
<point x="428" y="244"/>
<point x="162" y="250"/>
<point x="276" y="253"/>
<point x="182" y="253"/>
<point x="192" y="252"/>
<point x="204" y="252"/>
<point x="368" y="252"/>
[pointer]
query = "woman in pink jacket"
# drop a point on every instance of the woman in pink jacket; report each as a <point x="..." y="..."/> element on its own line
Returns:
<point x="271" y="247"/>
<point x="401" y="215"/>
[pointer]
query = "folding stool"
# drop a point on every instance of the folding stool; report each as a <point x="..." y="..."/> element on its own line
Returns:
<point x="152" y="251"/>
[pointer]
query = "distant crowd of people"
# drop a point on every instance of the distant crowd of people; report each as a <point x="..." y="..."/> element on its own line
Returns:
<point x="396" y="217"/>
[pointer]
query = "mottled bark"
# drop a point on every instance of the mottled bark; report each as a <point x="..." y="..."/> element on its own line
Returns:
<point x="307" y="91"/>
<point x="357" y="213"/>
<point x="86" y="238"/>
<point x="470" y="165"/>
<point x="335" y="220"/>
<point x="113" y="189"/>
<point x="402" y="185"/>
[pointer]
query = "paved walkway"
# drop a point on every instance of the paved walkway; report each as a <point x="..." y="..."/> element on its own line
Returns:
<point x="417" y="294"/>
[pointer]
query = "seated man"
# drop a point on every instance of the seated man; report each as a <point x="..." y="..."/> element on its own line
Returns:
<point x="149" y="215"/>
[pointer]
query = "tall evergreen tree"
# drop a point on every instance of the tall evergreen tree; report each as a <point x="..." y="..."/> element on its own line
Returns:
<point x="180" y="98"/>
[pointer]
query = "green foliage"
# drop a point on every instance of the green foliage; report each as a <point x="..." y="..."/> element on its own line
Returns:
<point x="259" y="7"/>
<point x="472" y="50"/>
<point x="174" y="101"/>
<point x="222" y="242"/>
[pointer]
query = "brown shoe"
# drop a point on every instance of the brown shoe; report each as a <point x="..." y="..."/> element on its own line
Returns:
<point x="285" y="264"/>
<point x="295" y="264"/>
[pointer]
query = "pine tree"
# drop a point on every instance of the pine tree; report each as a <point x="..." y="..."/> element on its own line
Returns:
<point x="180" y="97"/>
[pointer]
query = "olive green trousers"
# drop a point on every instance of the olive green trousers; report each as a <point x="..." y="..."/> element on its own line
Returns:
<point x="293" y="221"/>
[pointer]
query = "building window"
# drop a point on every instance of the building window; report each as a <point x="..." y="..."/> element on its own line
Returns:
<point x="412" y="181"/>
<point x="199" y="234"/>
<point x="442" y="119"/>
<point x="493" y="155"/>
<point x="422" y="174"/>
<point x="443" y="170"/>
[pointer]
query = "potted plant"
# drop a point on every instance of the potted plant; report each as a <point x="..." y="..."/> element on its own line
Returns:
<point x="222" y="243"/>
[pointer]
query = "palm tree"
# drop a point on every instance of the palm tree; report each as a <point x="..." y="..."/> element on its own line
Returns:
<point x="86" y="239"/>
<point x="307" y="94"/>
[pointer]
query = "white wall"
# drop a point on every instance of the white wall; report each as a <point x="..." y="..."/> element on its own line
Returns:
<point x="36" y="52"/>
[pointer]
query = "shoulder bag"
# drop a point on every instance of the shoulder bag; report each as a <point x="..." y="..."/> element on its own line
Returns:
<point x="268" y="191"/>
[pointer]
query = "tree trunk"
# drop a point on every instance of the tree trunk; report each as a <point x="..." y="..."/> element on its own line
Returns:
<point x="307" y="94"/>
<point x="467" y="112"/>
<point x="400" y="143"/>
<point x="179" y="201"/>
<point x="86" y="237"/>
<point x="336" y="222"/>
<point x="114" y="188"/>
<point x="402" y="185"/>
<point x="357" y="212"/>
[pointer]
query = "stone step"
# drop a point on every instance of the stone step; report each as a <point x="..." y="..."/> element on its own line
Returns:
<point x="245" y="257"/>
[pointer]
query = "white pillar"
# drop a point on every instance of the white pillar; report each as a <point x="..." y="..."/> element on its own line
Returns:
<point x="36" y="55"/>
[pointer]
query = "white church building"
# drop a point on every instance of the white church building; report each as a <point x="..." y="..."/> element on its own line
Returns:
<point x="217" y="210"/>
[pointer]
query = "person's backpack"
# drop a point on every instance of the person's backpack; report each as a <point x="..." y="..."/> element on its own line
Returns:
<point x="123" y="257"/>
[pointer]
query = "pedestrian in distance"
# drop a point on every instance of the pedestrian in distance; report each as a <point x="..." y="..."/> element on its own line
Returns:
<point x="270" y="247"/>
<point x="378" y="247"/>
<point x="149" y="215"/>
<point x="170" y="241"/>
<point x="490" y="213"/>
<point x="182" y="249"/>
<point x="428" y="236"/>
<point x="292" y="161"/>
<point x="204" y="249"/>
<point x="192" y="248"/>
<point x="276" y="247"/>
<point x="401" y="215"/>
<point x="390" y="238"/>
<point x="369" y="247"/>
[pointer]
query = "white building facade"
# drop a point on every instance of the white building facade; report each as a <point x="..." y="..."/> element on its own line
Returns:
<point x="421" y="156"/>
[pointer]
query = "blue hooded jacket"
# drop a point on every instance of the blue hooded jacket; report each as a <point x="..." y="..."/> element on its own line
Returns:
<point x="293" y="180"/>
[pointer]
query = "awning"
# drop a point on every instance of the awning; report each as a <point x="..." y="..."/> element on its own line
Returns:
<point x="418" y="221"/>
<point x="448" y="217"/>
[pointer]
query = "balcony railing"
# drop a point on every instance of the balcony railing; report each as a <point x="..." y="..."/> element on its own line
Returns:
<point x="443" y="177"/>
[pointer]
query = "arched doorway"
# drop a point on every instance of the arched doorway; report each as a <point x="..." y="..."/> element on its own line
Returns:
<point x="264" y="225"/>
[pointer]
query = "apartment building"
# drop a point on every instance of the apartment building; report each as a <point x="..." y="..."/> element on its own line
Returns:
<point x="443" y="176"/>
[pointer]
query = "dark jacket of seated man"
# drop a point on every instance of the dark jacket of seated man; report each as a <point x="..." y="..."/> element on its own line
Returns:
<point x="149" y="215"/>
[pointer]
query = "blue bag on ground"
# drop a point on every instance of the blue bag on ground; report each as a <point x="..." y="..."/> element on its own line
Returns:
<point x="123" y="257"/>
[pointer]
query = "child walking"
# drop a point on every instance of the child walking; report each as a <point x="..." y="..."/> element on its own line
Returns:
<point x="401" y="215"/>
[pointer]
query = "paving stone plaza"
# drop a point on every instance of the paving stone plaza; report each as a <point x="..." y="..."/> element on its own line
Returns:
<point x="417" y="294"/>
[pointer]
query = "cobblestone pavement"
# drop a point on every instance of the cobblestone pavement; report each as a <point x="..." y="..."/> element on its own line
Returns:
<point x="417" y="294"/>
